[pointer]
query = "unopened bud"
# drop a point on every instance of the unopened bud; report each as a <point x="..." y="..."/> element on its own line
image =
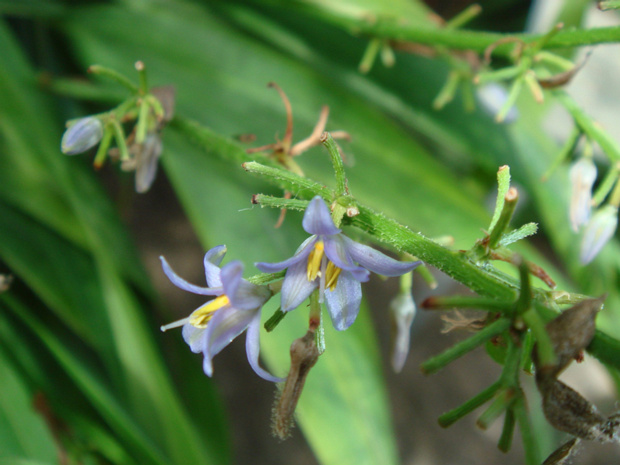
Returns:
<point x="82" y="135"/>
<point x="599" y="230"/>
<point x="402" y="312"/>
<point x="582" y="177"/>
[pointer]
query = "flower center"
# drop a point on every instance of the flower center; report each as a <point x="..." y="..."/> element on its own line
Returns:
<point x="315" y="261"/>
<point x="201" y="316"/>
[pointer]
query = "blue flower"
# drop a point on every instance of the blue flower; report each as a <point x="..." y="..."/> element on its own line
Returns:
<point x="599" y="230"/>
<point x="333" y="263"/>
<point x="236" y="308"/>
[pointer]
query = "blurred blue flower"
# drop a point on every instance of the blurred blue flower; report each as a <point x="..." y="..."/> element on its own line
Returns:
<point x="333" y="263"/>
<point x="582" y="177"/>
<point x="236" y="308"/>
<point x="81" y="135"/>
<point x="599" y="230"/>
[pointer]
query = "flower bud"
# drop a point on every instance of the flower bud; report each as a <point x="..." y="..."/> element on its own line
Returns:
<point x="599" y="230"/>
<point x="582" y="177"/>
<point x="82" y="135"/>
<point x="402" y="311"/>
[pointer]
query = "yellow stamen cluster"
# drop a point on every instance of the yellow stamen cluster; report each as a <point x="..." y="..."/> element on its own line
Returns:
<point x="331" y="276"/>
<point x="332" y="272"/>
<point x="201" y="316"/>
<point x="314" y="261"/>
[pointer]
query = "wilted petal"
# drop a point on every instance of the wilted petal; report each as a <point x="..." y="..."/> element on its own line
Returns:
<point x="296" y="288"/>
<point x="377" y="262"/>
<point x="318" y="220"/>
<point x="212" y="261"/>
<point x="227" y="323"/>
<point x="252" y="348"/>
<point x="402" y="311"/>
<point x="582" y="177"/>
<point x="84" y="134"/>
<point x="343" y="303"/>
<point x="301" y="255"/>
<point x="336" y="251"/>
<point x="186" y="286"/>
<point x="146" y="162"/>
<point x="599" y="230"/>
<point x="166" y="96"/>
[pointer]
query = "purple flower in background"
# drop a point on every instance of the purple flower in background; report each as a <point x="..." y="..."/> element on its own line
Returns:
<point x="333" y="263"/>
<point x="599" y="230"/>
<point x="582" y="177"/>
<point x="236" y="308"/>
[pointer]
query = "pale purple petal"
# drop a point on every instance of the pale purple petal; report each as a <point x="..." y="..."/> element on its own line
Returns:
<point x="318" y="220"/>
<point x="242" y="294"/>
<point x="82" y="135"/>
<point x="599" y="230"/>
<point x="343" y="303"/>
<point x="180" y="282"/>
<point x="231" y="276"/>
<point x="296" y="288"/>
<point x="194" y="337"/>
<point x="377" y="262"/>
<point x="336" y="251"/>
<point x="227" y="323"/>
<point x="300" y="255"/>
<point x="212" y="261"/>
<point x="252" y="348"/>
<point x="582" y="177"/>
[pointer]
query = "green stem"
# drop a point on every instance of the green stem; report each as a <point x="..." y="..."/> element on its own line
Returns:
<point x="289" y="181"/>
<point x="478" y="303"/>
<point x="472" y="404"/>
<point x="458" y="350"/>
<point x="593" y="130"/>
<point x="505" y="440"/>
<point x="464" y="16"/>
<point x="530" y="444"/>
<point x="510" y="202"/>
<point x="370" y="55"/>
<point x="544" y="347"/>
<point x="609" y="5"/>
<point x="114" y="76"/>
<point x="502" y="402"/>
<point x="263" y="279"/>
<point x="606" y="185"/>
<point x="279" y="203"/>
<point x="567" y="149"/>
<point x="334" y="154"/>
<point x="274" y="320"/>
<point x="403" y="31"/>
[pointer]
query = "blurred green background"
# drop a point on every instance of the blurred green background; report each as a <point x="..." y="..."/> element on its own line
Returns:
<point x="86" y="376"/>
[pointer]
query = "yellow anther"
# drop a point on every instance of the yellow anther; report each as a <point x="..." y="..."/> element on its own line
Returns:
<point x="331" y="276"/>
<point x="314" y="261"/>
<point x="201" y="316"/>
